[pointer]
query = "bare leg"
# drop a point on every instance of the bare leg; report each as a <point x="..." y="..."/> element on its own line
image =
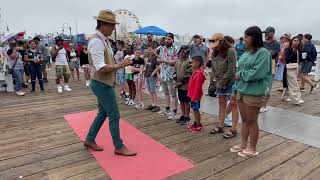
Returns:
<point x="197" y="117"/>
<point x="253" y="128"/>
<point x="72" y="73"/>
<point x="222" y="110"/>
<point x="187" y="109"/>
<point x="183" y="111"/>
<point x="235" y="115"/>
<point x="244" y="125"/>
<point x="78" y="74"/>
<point x="305" y="79"/>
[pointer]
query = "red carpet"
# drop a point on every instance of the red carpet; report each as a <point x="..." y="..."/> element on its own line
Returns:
<point x="154" y="160"/>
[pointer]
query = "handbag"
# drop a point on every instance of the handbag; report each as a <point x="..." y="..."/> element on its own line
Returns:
<point x="10" y="70"/>
<point x="294" y="65"/>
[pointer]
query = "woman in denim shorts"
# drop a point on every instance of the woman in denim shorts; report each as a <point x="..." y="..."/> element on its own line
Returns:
<point x="223" y="68"/>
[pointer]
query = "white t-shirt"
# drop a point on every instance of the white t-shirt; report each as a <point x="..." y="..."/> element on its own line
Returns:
<point x="73" y="56"/>
<point x="61" y="58"/>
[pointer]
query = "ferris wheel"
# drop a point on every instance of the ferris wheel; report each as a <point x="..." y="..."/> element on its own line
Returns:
<point x="128" y="22"/>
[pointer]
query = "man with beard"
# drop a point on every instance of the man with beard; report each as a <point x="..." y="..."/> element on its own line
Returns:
<point x="168" y="57"/>
<point x="274" y="48"/>
<point x="150" y="41"/>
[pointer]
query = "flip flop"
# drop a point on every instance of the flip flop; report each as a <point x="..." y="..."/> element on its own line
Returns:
<point x="236" y="149"/>
<point x="245" y="153"/>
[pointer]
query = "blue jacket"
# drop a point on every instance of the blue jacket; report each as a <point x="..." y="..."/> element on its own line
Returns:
<point x="311" y="51"/>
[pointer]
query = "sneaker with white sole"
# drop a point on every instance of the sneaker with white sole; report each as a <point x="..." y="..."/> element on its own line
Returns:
<point x="173" y="116"/>
<point x="299" y="102"/>
<point x="132" y="103"/>
<point x="164" y="112"/>
<point x="313" y="88"/>
<point x="284" y="91"/>
<point x="263" y="109"/>
<point x="66" y="88"/>
<point x="87" y="83"/>
<point x="288" y="100"/>
<point x="59" y="89"/>
<point x="20" y="93"/>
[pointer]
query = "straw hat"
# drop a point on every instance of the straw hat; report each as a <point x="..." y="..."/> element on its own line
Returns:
<point x="215" y="39"/>
<point x="106" y="16"/>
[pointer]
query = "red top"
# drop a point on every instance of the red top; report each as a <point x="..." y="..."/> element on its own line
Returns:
<point x="195" y="85"/>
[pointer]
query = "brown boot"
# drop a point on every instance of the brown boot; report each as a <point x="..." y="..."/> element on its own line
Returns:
<point x="125" y="152"/>
<point x="92" y="146"/>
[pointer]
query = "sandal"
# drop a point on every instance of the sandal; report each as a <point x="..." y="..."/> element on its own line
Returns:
<point x="236" y="149"/>
<point x="231" y="134"/>
<point x="246" y="153"/>
<point x="217" y="130"/>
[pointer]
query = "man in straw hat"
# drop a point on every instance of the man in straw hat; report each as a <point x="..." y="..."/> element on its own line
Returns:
<point x="102" y="83"/>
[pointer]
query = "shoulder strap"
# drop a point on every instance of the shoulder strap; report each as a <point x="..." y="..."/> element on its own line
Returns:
<point x="15" y="62"/>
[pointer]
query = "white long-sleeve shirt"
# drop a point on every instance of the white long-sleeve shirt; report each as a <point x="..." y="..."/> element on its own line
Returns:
<point x="96" y="48"/>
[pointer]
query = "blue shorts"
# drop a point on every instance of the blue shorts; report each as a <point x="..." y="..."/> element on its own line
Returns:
<point x="225" y="90"/>
<point x="120" y="78"/>
<point x="151" y="84"/>
<point x="195" y="105"/>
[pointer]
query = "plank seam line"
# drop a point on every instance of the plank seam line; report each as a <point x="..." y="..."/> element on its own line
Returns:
<point x="218" y="172"/>
<point x="3" y="159"/>
<point x="58" y="167"/>
<point x="274" y="167"/>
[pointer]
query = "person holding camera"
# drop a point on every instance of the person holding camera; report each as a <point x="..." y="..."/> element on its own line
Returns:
<point x="101" y="57"/>
<point x="60" y="57"/>
<point x="16" y="66"/>
<point x="35" y="58"/>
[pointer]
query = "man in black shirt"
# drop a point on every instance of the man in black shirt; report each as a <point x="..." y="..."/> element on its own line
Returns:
<point x="274" y="48"/>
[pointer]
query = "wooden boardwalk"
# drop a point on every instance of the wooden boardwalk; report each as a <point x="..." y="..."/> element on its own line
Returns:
<point x="37" y="143"/>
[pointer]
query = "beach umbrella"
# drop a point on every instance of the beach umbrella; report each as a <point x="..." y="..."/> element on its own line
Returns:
<point x="151" y="30"/>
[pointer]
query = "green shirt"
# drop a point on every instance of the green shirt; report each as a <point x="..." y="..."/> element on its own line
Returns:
<point x="224" y="68"/>
<point x="255" y="73"/>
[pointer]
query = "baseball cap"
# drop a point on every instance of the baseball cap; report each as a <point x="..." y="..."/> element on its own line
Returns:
<point x="215" y="39"/>
<point x="170" y="35"/>
<point x="269" y="30"/>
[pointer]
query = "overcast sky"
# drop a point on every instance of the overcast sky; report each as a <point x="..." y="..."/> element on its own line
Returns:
<point x="204" y="17"/>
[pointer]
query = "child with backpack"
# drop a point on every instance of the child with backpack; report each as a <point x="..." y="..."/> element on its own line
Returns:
<point x="195" y="91"/>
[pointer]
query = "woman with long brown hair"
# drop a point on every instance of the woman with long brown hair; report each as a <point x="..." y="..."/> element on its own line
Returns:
<point x="254" y="75"/>
<point x="223" y="69"/>
<point x="293" y="56"/>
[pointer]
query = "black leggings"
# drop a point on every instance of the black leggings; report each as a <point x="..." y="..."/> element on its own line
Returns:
<point x="284" y="80"/>
<point x="132" y="89"/>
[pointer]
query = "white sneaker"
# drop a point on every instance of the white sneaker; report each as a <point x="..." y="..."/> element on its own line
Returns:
<point x="263" y="109"/>
<point x="20" y="93"/>
<point x="288" y="100"/>
<point x="283" y="93"/>
<point x="59" y="89"/>
<point x="299" y="102"/>
<point x="66" y="88"/>
<point x="132" y="103"/>
<point x="160" y="89"/>
<point x="173" y="116"/>
<point x="128" y="101"/>
<point x="87" y="83"/>
<point x="164" y="112"/>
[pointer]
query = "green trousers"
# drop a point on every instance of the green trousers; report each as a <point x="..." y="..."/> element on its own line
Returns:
<point x="108" y="107"/>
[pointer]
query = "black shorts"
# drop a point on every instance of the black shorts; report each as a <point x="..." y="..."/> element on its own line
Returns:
<point x="183" y="96"/>
<point x="306" y="67"/>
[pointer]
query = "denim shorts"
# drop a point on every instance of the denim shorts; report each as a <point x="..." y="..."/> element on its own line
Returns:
<point x="120" y="78"/>
<point x="151" y="84"/>
<point x="225" y="90"/>
<point x="195" y="105"/>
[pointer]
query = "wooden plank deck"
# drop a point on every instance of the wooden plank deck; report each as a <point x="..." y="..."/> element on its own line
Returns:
<point x="36" y="142"/>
